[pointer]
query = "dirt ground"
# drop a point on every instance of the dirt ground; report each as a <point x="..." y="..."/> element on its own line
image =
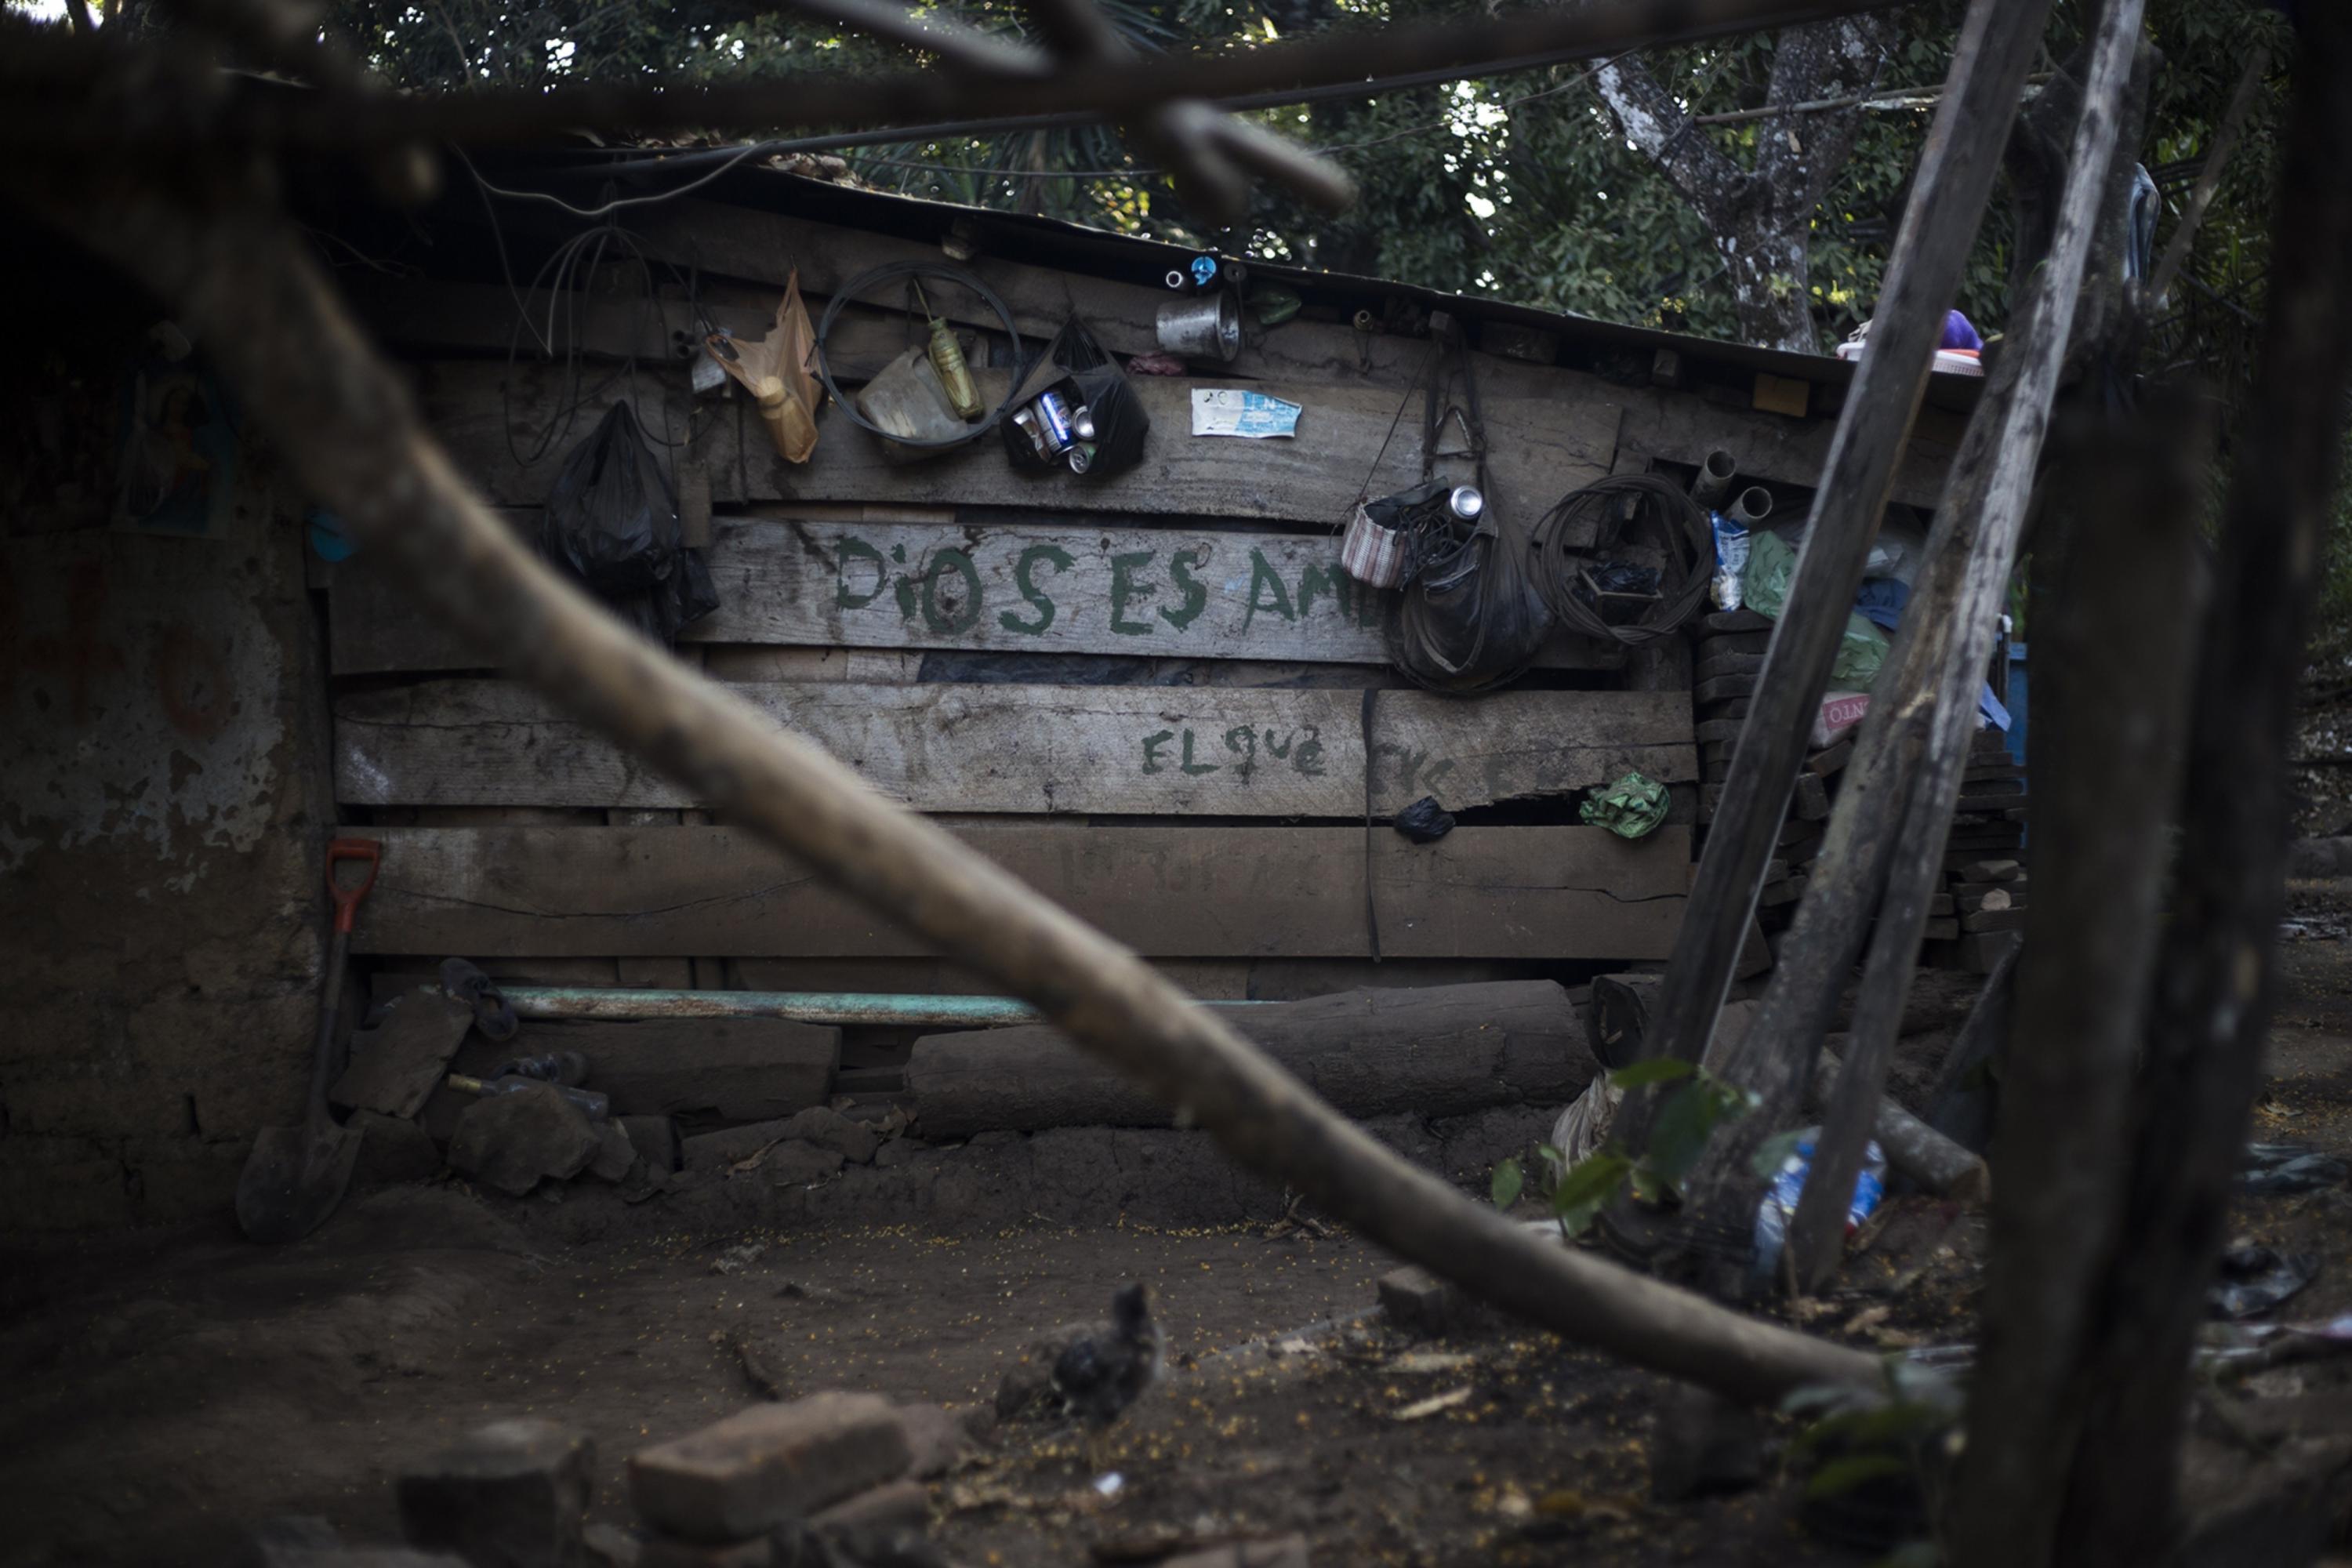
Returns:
<point x="162" y="1392"/>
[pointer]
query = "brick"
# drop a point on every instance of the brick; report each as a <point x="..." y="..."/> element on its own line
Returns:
<point x="1417" y="1300"/>
<point x="883" y="1511"/>
<point x="511" y="1495"/>
<point x="617" y="1153"/>
<point x="769" y="1464"/>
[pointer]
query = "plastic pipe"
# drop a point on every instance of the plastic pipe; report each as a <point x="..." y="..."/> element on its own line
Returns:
<point x="803" y="1007"/>
<point x="1752" y="505"/>
<point x="1714" y="479"/>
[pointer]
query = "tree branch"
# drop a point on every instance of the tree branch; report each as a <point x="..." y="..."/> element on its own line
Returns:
<point x="1659" y="130"/>
<point x="1828" y="59"/>
<point x="49" y="83"/>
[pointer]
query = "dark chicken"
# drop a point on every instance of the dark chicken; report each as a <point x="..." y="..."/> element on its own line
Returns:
<point x="1105" y="1369"/>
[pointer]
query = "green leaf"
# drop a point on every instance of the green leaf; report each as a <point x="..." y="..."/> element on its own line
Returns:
<point x="1591" y="1183"/>
<point x="1840" y="1477"/>
<point x="1508" y="1180"/>
<point x="1685" y="1123"/>
<point x="1658" y="1069"/>
<point x="1774" y="1153"/>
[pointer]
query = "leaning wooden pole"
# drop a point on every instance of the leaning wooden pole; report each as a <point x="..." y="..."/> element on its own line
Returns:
<point x="239" y="280"/>
<point x="1983" y="519"/>
<point x="1996" y="47"/>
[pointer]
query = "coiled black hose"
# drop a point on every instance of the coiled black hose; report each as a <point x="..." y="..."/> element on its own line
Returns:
<point x="890" y="272"/>
<point x="1661" y="513"/>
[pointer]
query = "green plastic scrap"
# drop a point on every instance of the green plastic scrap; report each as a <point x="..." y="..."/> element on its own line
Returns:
<point x="1764" y="588"/>
<point x="1632" y="808"/>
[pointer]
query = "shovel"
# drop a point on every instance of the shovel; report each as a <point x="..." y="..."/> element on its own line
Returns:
<point x="296" y="1175"/>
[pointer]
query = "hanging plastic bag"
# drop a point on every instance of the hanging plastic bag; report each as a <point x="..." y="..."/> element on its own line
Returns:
<point x="1780" y="1204"/>
<point x="1075" y="386"/>
<point x="611" y="521"/>
<point x="611" y="517"/>
<point x="780" y="373"/>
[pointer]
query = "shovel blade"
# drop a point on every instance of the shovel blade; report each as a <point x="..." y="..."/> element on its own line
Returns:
<point x="293" y="1180"/>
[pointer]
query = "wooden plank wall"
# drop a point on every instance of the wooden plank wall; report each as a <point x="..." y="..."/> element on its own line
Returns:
<point x="1156" y="698"/>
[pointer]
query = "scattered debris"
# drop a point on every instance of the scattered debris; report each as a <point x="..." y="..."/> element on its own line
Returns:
<point x="1424" y="821"/>
<point x="1421" y="1408"/>
<point x="738" y="1258"/>
<point x="2271" y="1170"/>
<point x="2256" y="1279"/>
<point x="1418" y="1300"/>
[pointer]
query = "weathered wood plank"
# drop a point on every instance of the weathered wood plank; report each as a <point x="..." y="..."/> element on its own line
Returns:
<point x="1436" y="1052"/>
<point x="1177" y="892"/>
<point x="1542" y="448"/>
<point x="1663" y="423"/>
<point x="1045" y="750"/>
<point x="1046" y="586"/>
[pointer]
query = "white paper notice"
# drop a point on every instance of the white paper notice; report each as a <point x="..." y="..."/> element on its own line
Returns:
<point x="1228" y="411"/>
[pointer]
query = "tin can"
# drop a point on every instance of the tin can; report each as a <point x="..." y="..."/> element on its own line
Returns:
<point x="1025" y="421"/>
<point x="1082" y="424"/>
<point x="1081" y="459"/>
<point x="1465" y="502"/>
<point x="1053" y="415"/>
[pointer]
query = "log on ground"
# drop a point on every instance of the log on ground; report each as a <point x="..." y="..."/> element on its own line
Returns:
<point x="1439" y="1051"/>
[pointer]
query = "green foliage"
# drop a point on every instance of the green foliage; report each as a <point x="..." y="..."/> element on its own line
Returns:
<point x="1587" y="1187"/>
<point x="1658" y="1069"/>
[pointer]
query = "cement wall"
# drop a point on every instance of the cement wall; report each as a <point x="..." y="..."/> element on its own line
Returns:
<point x="162" y="812"/>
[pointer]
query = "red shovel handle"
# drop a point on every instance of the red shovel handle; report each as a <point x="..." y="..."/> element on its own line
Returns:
<point x="346" y="900"/>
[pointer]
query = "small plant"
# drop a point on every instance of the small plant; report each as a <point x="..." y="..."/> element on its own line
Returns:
<point x="1678" y="1139"/>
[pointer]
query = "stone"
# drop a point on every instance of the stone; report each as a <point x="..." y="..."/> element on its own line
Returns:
<point x="392" y="1149"/>
<point x="1704" y="1446"/>
<point x="768" y="1464"/>
<point x="884" y="1512"/>
<point x="1282" y="1551"/>
<point x="655" y="1138"/>
<point x="617" y="1153"/>
<point x="935" y="1439"/>
<point x="829" y="1129"/>
<point x="510" y="1141"/>
<point x="610" y="1546"/>
<point x="511" y="1495"/>
<point x="898" y="1151"/>
<point x="1418" y="1300"/>
<point x="665" y="1552"/>
<point x="795" y="1164"/>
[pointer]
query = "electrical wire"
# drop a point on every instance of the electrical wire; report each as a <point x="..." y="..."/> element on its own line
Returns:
<point x="1617" y="510"/>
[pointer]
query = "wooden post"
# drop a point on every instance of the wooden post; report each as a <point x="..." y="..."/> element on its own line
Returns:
<point x="1996" y="46"/>
<point x="2211" y="1010"/>
<point x="2106" y="761"/>
<point x="1983" y="517"/>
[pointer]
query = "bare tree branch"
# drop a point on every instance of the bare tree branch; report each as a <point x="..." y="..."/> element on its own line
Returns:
<point x="50" y="85"/>
<point x="1661" y="132"/>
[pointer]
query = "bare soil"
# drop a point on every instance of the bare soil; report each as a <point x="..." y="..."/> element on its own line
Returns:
<point x="162" y="1392"/>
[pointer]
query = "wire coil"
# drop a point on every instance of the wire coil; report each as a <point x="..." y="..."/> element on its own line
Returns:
<point x="1652" y="504"/>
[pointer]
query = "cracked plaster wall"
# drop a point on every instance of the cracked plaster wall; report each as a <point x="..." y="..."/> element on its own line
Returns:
<point x="162" y="812"/>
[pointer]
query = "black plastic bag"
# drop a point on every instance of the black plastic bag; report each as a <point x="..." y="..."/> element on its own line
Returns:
<point x="1077" y="367"/>
<point x="611" y="521"/>
<point x="1424" y="821"/>
<point x="611" y="517"/>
